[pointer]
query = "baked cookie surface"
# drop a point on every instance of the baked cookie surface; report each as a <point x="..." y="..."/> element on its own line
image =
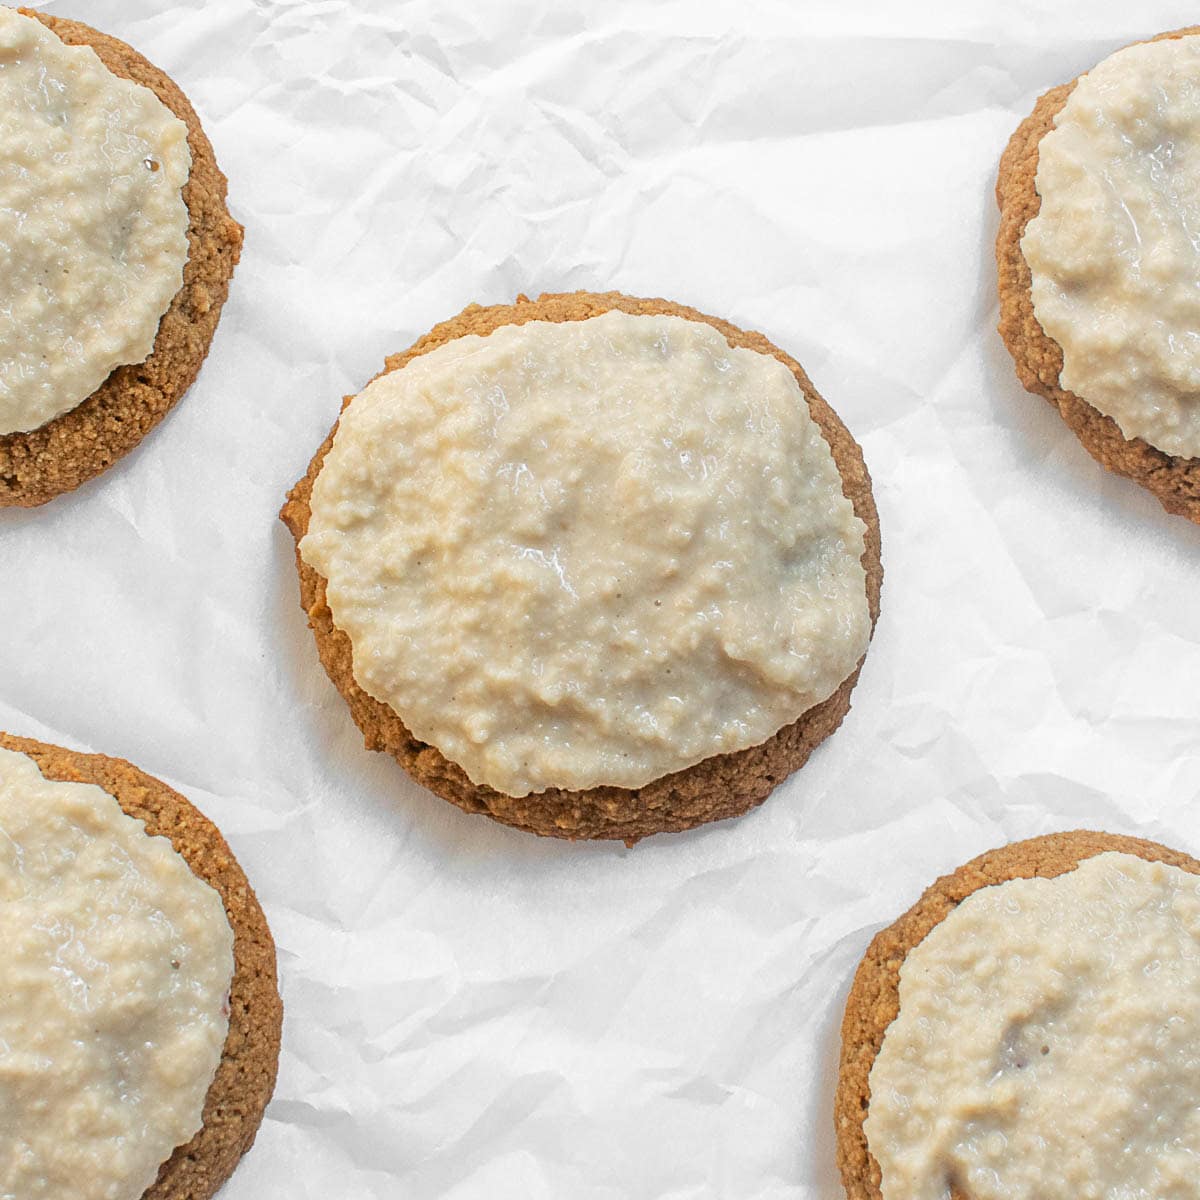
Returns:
<point x="81" y="443"/>
<point x="1173" y="480"/>
<point x="719" y="787"/>
<point x="874" y="998"/>
<point x="245" y="1078"/>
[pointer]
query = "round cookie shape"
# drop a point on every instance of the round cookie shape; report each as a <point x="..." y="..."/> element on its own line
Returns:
<point x="1173" y="480"/>
<point x="874" y="998"/>
<point x="64" y="453"/>
<point x="720" y="786"/>
<point x="576" y="553"/>
<point x="245" y="1077"/>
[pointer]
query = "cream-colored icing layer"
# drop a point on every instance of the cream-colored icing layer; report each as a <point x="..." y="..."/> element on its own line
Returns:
<point x="589" y="553"/>
<point x="114" y="981"/>
<point x="1048" y="1043"/>
<point x="92" y="221"/>
<point x="1115" y="250"/>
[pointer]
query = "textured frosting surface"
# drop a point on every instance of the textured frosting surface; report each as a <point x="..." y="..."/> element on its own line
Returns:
<point x="591" y="552"/>
<point x="1048" y="1042"/>
<point x="1115" y="248"/>
<point x="92" y="221"/>
<point x="113" y="992"/>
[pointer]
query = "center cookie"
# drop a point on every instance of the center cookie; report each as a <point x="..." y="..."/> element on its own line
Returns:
<point x="596" y="566"/>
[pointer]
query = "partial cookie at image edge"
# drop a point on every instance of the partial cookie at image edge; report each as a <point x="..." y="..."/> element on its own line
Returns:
<point x="722" y="786"/>
<point x="1038" y="359"/>
<point x="874" y="998"/>
<point x="245" y="1079"/>
<point x="66" y="452"/>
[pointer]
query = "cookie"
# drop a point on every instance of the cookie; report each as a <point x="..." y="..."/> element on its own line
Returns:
<point x="724" y="785"/>
<point x="1174" y="481"/>
<point x="245" y="1078"/>
<point x="874" y="998"/>
<point x="71" y="449"/>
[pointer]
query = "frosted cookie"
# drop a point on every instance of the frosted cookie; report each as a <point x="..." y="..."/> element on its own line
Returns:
<point x="1028" y="1028"/>
<point x="139" y="1013"/>
<point x="592" y="565"/>
<point x="119" y="252"/>
<point x="1098" y="262"/>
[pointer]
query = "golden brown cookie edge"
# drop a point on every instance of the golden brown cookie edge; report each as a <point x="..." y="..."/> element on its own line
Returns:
<point x="1174" y="481"/>
<point x="66" y="452"/>
<point x="723" y="786"/>
<point x="874" y="998"/>
<point x="245" y="1079"/>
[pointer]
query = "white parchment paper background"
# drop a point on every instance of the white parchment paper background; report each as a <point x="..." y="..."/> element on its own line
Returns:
<point x="471" y="1012"/>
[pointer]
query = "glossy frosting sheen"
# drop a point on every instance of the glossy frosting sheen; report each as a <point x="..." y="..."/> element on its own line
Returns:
<point x="592" y="552"/>
<point x="93" y="226"/>
<point x="114" y="979"/>
<point x="1115" y="250"/>
<point x="1048" y="1043"/>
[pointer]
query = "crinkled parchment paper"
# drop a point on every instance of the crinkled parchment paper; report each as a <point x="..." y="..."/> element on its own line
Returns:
<point x="472" y="1012"/>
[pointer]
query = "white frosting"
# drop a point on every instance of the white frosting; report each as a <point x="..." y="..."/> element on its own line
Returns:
<point x="113" y="990"/>
<point x="592" y="552"/>
<point x="1048" y="1043"/>
<point x="93" y="226"/>
<point x="1115" y="250"/>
